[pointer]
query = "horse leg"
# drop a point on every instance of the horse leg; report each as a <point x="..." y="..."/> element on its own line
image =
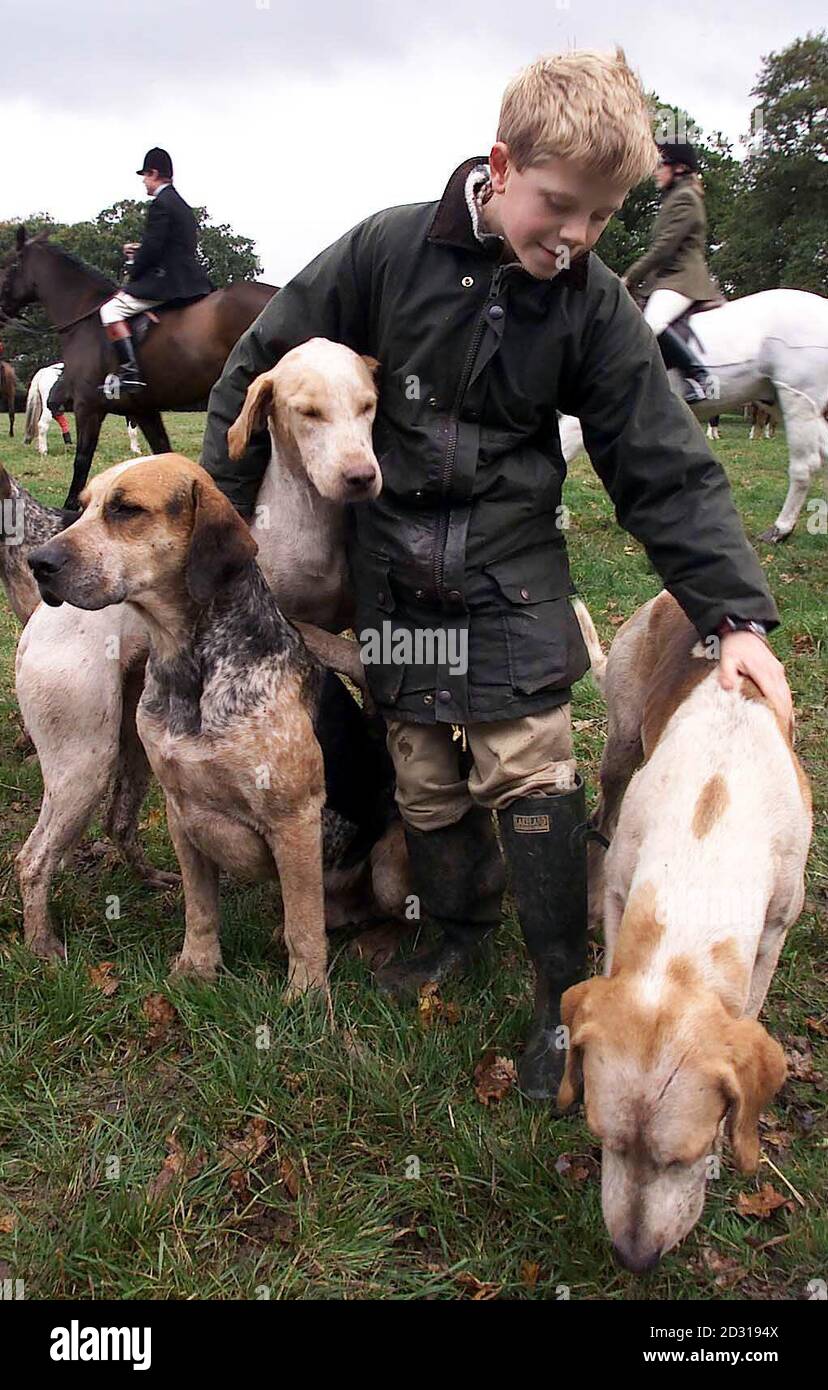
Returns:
<point x="88" y="421"/>
<point x="154" y="431"/>
<point x="803" y="428"/>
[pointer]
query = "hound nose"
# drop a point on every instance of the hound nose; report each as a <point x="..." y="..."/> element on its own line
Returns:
<point x="358" y="476"/>
<point x="46" y="561"/>
<point x="637" y="1262"/>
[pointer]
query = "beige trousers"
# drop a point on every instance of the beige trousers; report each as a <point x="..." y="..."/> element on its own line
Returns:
<point x="512" y="758"/>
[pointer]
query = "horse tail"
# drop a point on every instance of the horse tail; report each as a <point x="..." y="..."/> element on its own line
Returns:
<point x="34" y="410"/>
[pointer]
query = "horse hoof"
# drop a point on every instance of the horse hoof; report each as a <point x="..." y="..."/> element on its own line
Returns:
<point x="773" y="536"/>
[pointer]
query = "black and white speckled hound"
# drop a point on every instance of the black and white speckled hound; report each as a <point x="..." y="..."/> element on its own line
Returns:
<point x="264" y="757"/>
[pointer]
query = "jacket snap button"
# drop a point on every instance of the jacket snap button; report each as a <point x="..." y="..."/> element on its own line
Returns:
<point x="524" y="593"/>
<point x="418" y="493"/>
<point x="428" y="699"/>
<point x="419" y="593"/>
<point x="454" y="596"/>
<point x="467" y="281"/>
<point x="433" y="402"/>
<point x="444" y="696"/>
<point x="496" y="311"/>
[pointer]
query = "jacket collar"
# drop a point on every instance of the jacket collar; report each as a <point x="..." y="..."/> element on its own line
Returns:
<point x="451" y="226"/>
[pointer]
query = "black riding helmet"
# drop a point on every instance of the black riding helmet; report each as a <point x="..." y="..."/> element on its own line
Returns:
<point x="674" y="153"/>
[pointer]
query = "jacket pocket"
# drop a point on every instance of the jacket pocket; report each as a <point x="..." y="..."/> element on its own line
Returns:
<point x="543" y="639"/>
<point x="376" y="604"/>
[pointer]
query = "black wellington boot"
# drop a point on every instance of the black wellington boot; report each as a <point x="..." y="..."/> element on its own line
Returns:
<point x="127" y="381"/>
<point x="543" y="839"/>
<point x="459" y="876"/>
<point x="676" y="353"/>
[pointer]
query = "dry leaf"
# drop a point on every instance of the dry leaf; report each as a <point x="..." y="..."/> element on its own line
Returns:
<point x="290" y="1177"/>
<point x="762" y="1203"/>
<point x="817" y="1025"/>
<point x="8" y="1221"/>
<point x="175" y="1165"/>
<point x="482" y="1292"/>
<point x="103" y="977"/>
<point x="529" y="1273"/>
<point x="493" y="1077"/>
<point x="160" y="1014"/>
<point x="725" y="1270"/>
<point x="430" y="1007"/>
<point x="243" y="1152"/>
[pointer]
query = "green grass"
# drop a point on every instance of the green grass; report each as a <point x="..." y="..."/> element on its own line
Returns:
<point x="88" y="1097"/>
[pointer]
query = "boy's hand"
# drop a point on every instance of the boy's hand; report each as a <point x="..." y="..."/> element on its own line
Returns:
<point x="745" y="654"/>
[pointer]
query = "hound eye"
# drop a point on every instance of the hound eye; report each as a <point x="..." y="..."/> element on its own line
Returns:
<point x="367" y="408"/>
<point x="311" y="413"/>
<point x="126" y="509"/>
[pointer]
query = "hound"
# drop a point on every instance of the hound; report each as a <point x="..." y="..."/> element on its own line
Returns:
<point x="79" y="676"/>
<point x="702" y="879"/>
<point x="263" y="756"/>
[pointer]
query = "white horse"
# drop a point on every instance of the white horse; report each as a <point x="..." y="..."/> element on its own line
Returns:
<point x="771" y="346"/>
<point x="39" y="417"/>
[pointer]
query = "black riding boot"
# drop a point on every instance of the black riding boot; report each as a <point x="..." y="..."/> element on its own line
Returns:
<point x="543" y="839"/>
<point x="127" y="380"/>
<point x="458" y="874"/>
<point x="676" y="353"/>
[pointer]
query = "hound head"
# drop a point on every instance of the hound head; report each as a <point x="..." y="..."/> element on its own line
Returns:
<point x="151" y="530"/>
<point x="658" y="1077"/>
<point x="319" y="404"/>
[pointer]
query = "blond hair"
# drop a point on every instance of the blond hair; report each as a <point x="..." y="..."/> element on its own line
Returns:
<point x="586" y="106"/>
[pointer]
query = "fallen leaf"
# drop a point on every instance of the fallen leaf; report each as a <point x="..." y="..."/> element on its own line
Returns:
<point x="430" y="1007"/>
<point x="762" y="1203"/>
<point x="482" y="1292"/>
<point x="160" y="1014"/>
<point x="817" y="1025"/>
<point x="725" y="1270"/>
<point x="290" y="1177"/>
<point x="175" y="1165"/>
<point x="243" y="1152"/>
<point x="8" y="1221"/>
<point x="493" y="1077"/>
<point x="529" y="1273"/>
<point x="103" y="977"/>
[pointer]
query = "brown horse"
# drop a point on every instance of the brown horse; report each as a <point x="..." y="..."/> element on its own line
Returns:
<point x="181" y="357"/>
<point x="8" y="388"/>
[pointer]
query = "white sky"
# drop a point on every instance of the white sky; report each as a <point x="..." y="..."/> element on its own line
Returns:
<point x="293" y="120"/>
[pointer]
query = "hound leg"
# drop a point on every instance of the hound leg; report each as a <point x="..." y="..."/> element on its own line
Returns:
<point x="803" y="429"/>
<point x="201" y="953"/>
<point x="129" y="787"/>
<point x="296" y="842"/>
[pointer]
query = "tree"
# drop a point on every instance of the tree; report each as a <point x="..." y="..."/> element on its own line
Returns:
<point x="776" y="233"/>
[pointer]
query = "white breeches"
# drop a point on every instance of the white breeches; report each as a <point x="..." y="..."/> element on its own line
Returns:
<point x="662" y="307"/>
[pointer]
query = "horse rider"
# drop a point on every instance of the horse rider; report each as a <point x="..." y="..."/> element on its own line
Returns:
<point x="673" y="274"/>
<point x="165" y="268"/>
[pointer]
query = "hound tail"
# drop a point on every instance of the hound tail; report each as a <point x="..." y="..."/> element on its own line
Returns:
<point x="34" y="410"/>
<point x="592" y="641"/>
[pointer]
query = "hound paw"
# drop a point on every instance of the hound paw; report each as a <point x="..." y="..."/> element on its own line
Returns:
<point x="195" y="968"/>
<point x="303" y="978"/>
<point x="46" y="945"/>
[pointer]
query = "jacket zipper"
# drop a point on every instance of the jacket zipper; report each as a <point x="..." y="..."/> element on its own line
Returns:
<point x="451" y="451"/>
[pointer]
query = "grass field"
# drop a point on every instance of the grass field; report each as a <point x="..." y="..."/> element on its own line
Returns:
<point x="153" y="1145"/>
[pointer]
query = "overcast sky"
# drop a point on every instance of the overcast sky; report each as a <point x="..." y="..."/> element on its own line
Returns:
<point x="293" y="119"/>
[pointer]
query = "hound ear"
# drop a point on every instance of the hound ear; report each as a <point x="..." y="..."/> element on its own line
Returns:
<point x="374" y="367"/>
<point x="756" y="1071"/>
<point x="258" y="403"/>
<point x="220" y="542"/>
<point x="20" y="237"/>
<point x="575" y="1010"/>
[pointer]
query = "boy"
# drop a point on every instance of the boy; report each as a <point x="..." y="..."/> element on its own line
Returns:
<point x="488" y="314"/>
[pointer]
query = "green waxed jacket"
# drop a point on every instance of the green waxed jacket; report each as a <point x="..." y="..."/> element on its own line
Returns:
<point x="466" y="537"/>
<point x="676" y="256"/>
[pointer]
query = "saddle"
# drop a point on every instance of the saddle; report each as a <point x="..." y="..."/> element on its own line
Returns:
<point x="681" y="325"/>
<point x="140" y="324"/>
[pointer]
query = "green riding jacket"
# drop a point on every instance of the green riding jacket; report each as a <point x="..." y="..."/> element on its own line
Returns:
<point x="467" y="539"/>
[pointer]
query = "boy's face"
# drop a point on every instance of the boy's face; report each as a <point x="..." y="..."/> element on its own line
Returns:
<point x="551" y="213"/>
